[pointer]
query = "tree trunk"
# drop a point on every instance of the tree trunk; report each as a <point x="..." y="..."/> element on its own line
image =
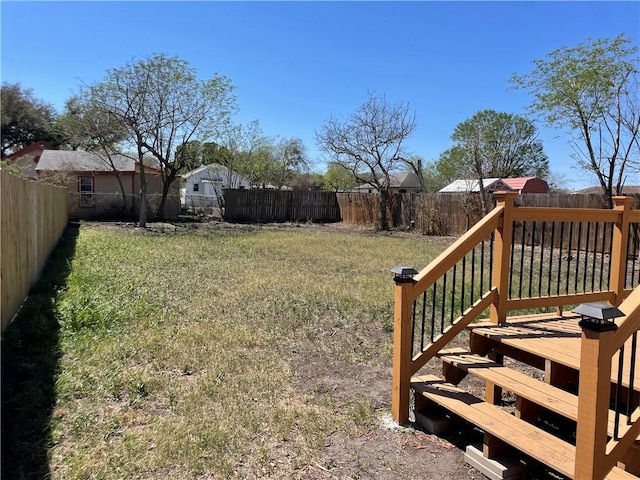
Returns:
<point x="124" y="194"/>
<point x="483" y="199"/>
<point x="166" y="186"/>
<point x="163" y="200"/>
<point x="384" y="194"/>
<point x="143" y="190"/>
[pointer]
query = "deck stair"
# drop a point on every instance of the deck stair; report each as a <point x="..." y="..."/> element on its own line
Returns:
<point x="532" y="396"/>
<point x="529" y="392"/>
<point x="531" y="440"/>
<point x="575" y="379"/>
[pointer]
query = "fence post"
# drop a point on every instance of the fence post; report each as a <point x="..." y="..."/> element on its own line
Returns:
<point x="402" y="325"/>
<point x="619" y="248"/>
<point x="501" y="255"/>
<point x="593" y="403"/>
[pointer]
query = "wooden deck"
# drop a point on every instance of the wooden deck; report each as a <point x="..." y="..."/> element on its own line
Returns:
<point x="576" y="372"/>
<point x="549" y="341"/>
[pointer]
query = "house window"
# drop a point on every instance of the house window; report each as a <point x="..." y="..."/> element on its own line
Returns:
<point x="86" y="191"/>
<point x="196" y="187"/>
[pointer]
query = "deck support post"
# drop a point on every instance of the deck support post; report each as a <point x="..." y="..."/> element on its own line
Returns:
<point x="501" y="255"/>
<point x="619" y="248"/>
<point x="402" y="326"/>
<point x="593" y="404"/>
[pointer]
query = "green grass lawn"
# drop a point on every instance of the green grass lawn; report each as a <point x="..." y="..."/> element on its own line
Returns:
<point x="232" y="351"/>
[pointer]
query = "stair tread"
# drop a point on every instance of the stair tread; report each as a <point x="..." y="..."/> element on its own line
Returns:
<point x="553" y="398"/>
<point x="520" y="384"/>
<point x="619" y="474"/>
<point x="531" y="440"/>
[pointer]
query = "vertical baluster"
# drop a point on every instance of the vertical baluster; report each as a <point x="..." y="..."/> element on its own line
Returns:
<point x="632" y="373"/>
<point x="433" y="311"/>
<point x="464" y="274"/>
<point x="633" y="253"/>
<point x="604" y="238"/>
<point x="569" y="258"/>
<point x="444" y="301"/>
<point x="524" y="231"/>
<point x="586" y="257"/>
<point x="473" y="274"/>
<point x="610" y="257"/>
<point x="424" y="316"/>
<point x="560" y="259"/>
<point x="553" y="239"/>
<point x="533" y="251"/>
<point x="544" y="234"/>
<point x="577" y="273"/>
<point x="595" y="253"/>
<point x="482" y="268"/>
<point x="513" y="239"/>
<point x="491" y="241"/>
<point x="413" y="327"/>
<point x="453" y="294"/>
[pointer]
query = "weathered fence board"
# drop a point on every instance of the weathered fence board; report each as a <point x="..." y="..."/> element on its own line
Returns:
<point x="33" y="218"/>
<point x="280" y="206"/>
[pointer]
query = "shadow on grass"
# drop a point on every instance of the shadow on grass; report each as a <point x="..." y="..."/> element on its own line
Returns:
<point x="29" y="361"/>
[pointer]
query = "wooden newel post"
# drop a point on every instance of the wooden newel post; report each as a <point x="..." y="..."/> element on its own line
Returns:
<point x="402" y="325"/>
<point x="501" y="255"/>
<point x="619" y="247"/>
<point x="593" y="399"/>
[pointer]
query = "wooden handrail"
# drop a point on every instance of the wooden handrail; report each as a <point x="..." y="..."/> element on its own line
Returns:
<point x="501" y="222"/>
<point x="452" y="255"/>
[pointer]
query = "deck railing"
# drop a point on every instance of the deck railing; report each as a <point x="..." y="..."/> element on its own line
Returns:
<point x="604" y="437"/>
<point x="516" y="259"/>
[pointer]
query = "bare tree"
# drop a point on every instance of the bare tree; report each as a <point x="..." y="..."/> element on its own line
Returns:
<point x="370" y="144"/>
<point x="163" y="105"/>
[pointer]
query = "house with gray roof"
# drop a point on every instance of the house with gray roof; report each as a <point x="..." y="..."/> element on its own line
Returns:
<point x="101" y="186"/>
<point x="398" y="183"/>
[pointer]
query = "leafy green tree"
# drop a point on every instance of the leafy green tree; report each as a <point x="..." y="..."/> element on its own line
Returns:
<point x="289" y="160"/>
<point x="449" y="167"/>
<point x="591" y="90"/>
<point x="163" y="105"/>
<point x="243" y="149"/>
<point x="82" y="126"/>
<point x="213" y="153"/>
<point x="306" y="181"/>
<point x="495" y="144"/>
<point x="337" y="177"/>
<point x="24" y="119"/>
<point x="189" y="155"/>
<point x="371" y="144"/>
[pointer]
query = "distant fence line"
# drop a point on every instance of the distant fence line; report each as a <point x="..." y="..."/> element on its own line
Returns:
<point x="428" y="213"/>
<point x="34" y="216"/>
<point x="111" y="206"/>
<point x="280" y="206"/>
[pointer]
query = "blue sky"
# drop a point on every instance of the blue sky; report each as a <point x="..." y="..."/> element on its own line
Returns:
<point x="294" y="64"/>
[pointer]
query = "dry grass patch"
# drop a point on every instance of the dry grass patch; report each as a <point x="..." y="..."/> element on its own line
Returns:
<point x="234" y="352"/>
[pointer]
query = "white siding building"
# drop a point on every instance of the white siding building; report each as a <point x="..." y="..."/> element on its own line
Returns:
<point x="203" y="187"/>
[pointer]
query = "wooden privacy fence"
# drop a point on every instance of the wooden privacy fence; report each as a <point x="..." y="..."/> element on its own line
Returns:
<point x="428" y="213"/>
<point x="34" y="216"/>
<point x="280" y="206"/>
<point x="448" y="213"/>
